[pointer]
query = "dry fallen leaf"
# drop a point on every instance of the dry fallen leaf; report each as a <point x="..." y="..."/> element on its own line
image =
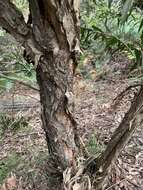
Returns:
<point x="77" y="186"/>
<point x="9" y="184"/>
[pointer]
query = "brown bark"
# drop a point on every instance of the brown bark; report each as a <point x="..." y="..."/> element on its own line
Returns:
<point x="133" y="119"/>
<point x="55" y="79"/>
<point x="55" y="29"/>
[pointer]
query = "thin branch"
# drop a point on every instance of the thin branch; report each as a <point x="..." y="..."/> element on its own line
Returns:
<point x="20" y="82"/>
<point x="15" y="71"/>
<point x="123" y="93"/>
<point x="114" y="185"/>
<point x="32" y="97"/>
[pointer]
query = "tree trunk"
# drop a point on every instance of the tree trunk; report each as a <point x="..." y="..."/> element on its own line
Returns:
<point x="55" y="78"/>
<point x="56" y="29"/>
<point x="51" y="40"/>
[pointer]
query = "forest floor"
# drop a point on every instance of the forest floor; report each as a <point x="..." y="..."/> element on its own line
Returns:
<point x="23" y="150"/>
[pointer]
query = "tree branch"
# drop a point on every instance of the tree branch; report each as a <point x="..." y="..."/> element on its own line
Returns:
<point x="120" y="96"/>
<point x="132" y="119"/>
<point x="12" y="20"/>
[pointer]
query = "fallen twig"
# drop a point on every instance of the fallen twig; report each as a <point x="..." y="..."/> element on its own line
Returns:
<point x="116" y="184"/>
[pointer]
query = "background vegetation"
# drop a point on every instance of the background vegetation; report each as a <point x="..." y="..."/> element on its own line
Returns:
<point x="108" y="27"/>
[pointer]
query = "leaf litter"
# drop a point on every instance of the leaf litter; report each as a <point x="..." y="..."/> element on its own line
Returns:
<point x="95" y="116"/>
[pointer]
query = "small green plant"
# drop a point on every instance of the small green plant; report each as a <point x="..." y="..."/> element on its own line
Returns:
<point x="7" y="165"/>
<point x="11" y="123"/>
<point x="93" y="145"/>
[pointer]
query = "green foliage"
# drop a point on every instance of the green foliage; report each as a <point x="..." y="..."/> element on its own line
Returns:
<point x="126" y="10"/>
<point x="30" y="165"/>
<point x="7" y="165"/>
<point x="8" y="123"/>
<point x="107" y="26"/>
<point x="93" y="146"/>
<point x="12" y="63"/>
<point x="111" y="26"/>
<point x="23" y="6"/>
